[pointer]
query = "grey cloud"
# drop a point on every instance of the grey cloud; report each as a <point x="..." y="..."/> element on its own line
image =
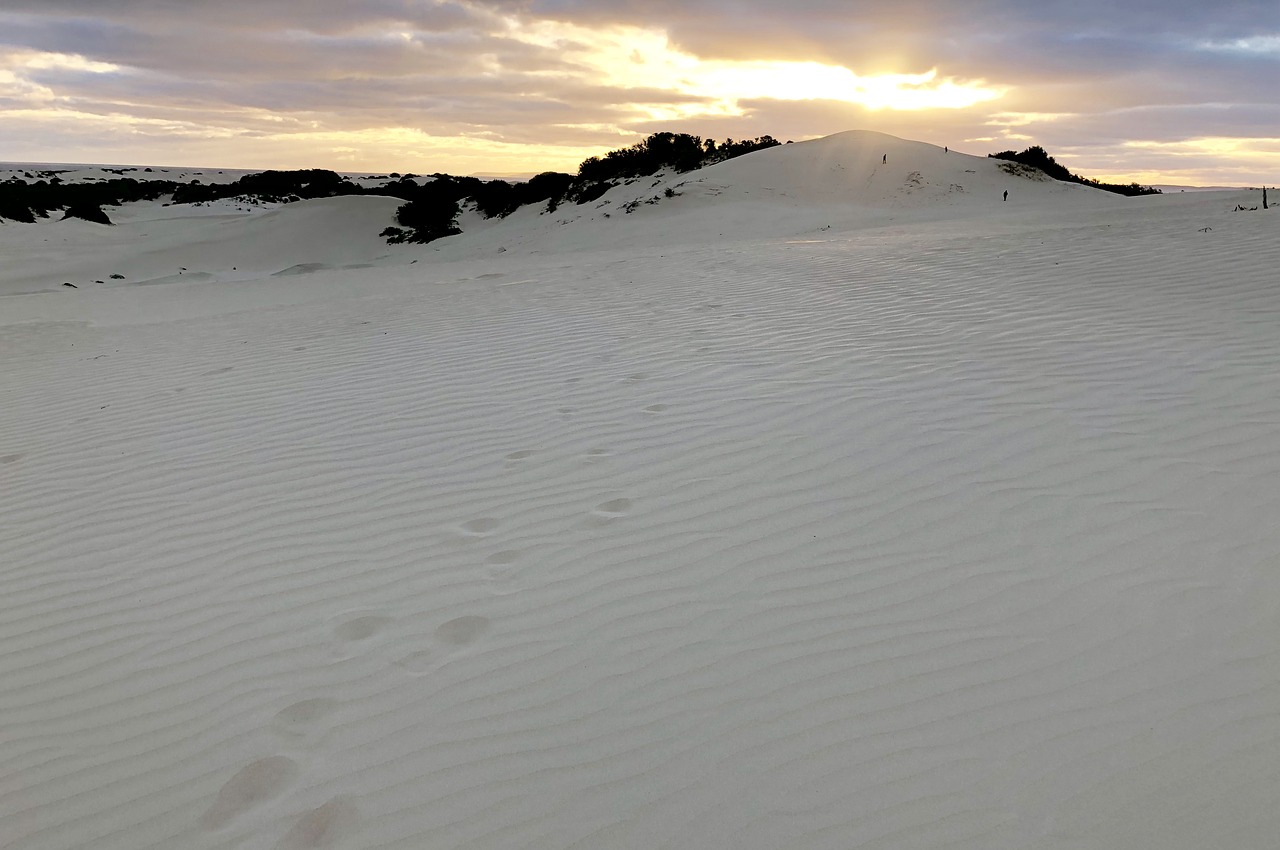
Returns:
<point x="322" y="16"/>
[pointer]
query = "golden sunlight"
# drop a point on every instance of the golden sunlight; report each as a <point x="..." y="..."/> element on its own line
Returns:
<point x="812" y="81"/>
<point x="42" y="60"/>
<point x="635" y="58"/>
<point x="1213" y="146"/>
<point x="16" y="65"/>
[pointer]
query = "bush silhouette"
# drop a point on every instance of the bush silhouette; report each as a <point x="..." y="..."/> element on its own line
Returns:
<point x="432" y="214"/>
<point x="24" y="202"/>
<point x="1037" y="157"/>
<point x="430" y="211"/>
<point x="88" y="212"/>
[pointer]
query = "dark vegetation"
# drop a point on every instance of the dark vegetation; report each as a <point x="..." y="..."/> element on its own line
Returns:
<point x="1036" y="157"/>
<point x="431" y="211"/>
<point x="431" y="207"/>
<point x="22" y="201"/>
<point x="88" y="212"/>
<point x="677" y="151"/>
<point x="270" y="187"/>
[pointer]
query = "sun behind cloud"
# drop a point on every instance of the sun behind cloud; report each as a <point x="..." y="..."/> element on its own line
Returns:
<point x="627" y="57"/>
<point x="814" y="81"/>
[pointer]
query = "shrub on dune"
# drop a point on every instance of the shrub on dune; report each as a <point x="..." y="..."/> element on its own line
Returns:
<point x="1037" y="157"/>
<point x="88" y="212"/>
<point x="431" y="216"/>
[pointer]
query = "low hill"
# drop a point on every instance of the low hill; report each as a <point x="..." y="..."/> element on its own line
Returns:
<point x="852" y="180"/>
<point x="849" y="181"/>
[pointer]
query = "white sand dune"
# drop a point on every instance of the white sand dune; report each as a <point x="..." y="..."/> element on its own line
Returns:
<point x="877" y="170"/>
<point x="150" y="243"/>
<point x="925" y="530"/>
<point x="804" y="189"/>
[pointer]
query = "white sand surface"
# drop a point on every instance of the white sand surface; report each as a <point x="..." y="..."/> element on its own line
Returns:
<point x="152" y="243"/>
<point x="872" y="523"/>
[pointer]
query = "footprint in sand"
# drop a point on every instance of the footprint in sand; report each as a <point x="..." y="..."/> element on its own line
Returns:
<point x="606" y="513"/>
<point x="500" y="568"/>
<point x="657" y="408"/>
<point x="613" y="508"/>
<point x="515" y="458"/>
<point x="480" y="527"/>
<point x="303" y="718"/>
<point x="256" y="783"/>
<point x="597" y="455"/>
<point x="503" y="558"/>
<point x="361" y="628"/>
<point x="452" y="634"/>
<point x="325" y="826"/>
<point x="418" y="662"/>
<point x="461" y="631"/>
<point x="13" y="458"/>
<point x="221" y="371"/>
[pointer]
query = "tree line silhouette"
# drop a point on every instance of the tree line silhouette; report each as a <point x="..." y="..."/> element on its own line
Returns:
<point x="1037" y="157"/>
<point x="25" y="202"/>
<point x="430" y="210"/>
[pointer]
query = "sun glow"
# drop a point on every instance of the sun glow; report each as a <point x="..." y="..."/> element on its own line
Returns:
<point x="813" y="81"/>
<point x="640" y="59"/>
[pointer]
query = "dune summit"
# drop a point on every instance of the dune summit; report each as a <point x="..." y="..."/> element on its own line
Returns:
<point x="818" y="504"/>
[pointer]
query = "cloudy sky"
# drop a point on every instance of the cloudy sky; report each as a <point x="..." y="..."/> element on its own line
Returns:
<point x="1165" y="91"/>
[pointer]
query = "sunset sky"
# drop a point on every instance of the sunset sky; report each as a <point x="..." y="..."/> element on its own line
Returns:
<point x="1167" y="92"/>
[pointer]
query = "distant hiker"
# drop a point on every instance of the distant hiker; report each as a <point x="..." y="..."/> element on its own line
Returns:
<point x="1006" y="194"/>
<point x="946" y="149"/>
<point x="885" y="160"/>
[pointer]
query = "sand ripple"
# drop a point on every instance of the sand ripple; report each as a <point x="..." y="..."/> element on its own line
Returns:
<point x="923" y="541"/>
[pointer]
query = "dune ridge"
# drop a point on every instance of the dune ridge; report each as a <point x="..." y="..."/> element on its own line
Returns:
<point x="853" y="180"/>
<point x="939" y="532"/>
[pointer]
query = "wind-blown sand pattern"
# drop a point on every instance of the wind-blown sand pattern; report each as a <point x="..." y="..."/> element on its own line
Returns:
<point x="940" y="531"/>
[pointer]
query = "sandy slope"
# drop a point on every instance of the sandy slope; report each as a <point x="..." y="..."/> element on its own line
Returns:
<point x="150" y="243"/>
<point x="803" y="190"/>
<point x="936" y="532"/>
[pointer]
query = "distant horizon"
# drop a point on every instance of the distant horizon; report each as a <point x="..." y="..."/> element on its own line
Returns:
<point x="514" y="177"/>
<point x="45" y="166"/>
<point x="519" y="175"/>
